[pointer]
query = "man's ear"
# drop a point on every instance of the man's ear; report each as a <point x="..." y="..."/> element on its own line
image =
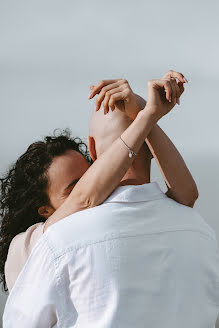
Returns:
<point x="45" y="211"/>
<point x="92" y="147"/>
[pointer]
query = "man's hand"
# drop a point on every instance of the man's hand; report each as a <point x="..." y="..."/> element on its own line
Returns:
<point x="116" y="93"/>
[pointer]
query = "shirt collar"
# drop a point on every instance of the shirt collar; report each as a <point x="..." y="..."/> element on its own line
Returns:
<point x="136" y="193"/>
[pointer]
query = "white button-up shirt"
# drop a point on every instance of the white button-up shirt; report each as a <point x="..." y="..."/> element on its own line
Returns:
<point x="139" y="260"/>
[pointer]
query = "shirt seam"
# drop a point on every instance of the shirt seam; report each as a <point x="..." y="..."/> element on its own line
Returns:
<point x="58" y="283"/>
<point x="136" y="201"/>
<point x="75" y="248"/>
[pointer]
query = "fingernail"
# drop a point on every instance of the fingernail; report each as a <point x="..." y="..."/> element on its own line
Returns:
<point x="170" y="99"/>
<point x="185" y="80"/>
<point x="178" y="101"/>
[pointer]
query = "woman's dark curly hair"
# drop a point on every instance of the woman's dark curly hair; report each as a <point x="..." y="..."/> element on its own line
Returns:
<point x="23" y="188"/>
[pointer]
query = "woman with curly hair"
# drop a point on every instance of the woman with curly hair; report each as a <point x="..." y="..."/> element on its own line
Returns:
<point x="23" y="193"/>
<point x="32" y="194"/>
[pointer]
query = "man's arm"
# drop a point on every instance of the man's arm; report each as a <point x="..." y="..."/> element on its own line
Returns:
<point x="179" y="181"/>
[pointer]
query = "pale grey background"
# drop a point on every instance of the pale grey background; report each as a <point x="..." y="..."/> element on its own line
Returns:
<point x="51" y="51"/>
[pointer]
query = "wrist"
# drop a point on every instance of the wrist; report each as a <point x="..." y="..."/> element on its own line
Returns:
<point x="140" y="101"/>
<point x="150" y="113"/>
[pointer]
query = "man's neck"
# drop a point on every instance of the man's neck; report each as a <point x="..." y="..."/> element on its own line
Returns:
<point x="135" y="182"/>
<point x="136" y="177"/>
<point x="139" y="172"/>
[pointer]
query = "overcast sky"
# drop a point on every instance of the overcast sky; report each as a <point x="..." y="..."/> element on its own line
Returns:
<point x="51" y="51"/>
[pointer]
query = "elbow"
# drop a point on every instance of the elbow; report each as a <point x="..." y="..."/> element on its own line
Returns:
<point x="91" y="197"/>
<point x="196" y="194"/>
<point x="193" y="197"/>
<point x="188" y="199"/>
<point x="86" y="201"/>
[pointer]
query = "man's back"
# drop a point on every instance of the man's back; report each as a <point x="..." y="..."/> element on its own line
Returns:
<point x="139" y="259"/>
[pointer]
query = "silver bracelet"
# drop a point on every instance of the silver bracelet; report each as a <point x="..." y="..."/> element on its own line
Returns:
<point x="131" y="152"/>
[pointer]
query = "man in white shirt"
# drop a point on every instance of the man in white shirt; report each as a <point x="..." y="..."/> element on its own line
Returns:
<point x="138" y="260"/>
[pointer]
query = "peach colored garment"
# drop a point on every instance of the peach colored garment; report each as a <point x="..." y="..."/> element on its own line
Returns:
<point x="19" y="251"/>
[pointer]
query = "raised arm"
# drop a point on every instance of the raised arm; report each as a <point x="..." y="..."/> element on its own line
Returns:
<point x="106" y="172"/>
<point x="180" y="183"/>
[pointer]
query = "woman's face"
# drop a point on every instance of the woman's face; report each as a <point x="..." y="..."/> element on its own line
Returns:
<point x="63" y="174"/>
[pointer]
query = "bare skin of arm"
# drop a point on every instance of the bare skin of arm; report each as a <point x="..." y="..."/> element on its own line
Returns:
<point x="179" y="181"/>
<point x="106" y="172"/>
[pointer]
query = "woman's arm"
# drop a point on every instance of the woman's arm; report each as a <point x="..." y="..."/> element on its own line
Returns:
<point x="94" y="187"/>
<point x="179" y="181"/>
<point x="106" y="172"/>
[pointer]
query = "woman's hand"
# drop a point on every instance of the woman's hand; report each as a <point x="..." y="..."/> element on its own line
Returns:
<point x="116" y="93"/>
<point x="164" y="93"/>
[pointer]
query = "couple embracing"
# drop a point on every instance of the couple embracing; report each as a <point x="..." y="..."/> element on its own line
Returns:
<point x="87" y="240"/>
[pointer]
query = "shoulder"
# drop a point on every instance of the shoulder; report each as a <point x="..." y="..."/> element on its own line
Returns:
<point x="38" y="281"/>
<point x="187" y="218"/>
<point x="19" y="251"/>
<point x="79" y="229"/>
<point x="25" y="241"/>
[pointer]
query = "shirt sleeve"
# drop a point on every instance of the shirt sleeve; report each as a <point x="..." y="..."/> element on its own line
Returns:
<point x="33" y="301"/>
<point x="19" y="251"/>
